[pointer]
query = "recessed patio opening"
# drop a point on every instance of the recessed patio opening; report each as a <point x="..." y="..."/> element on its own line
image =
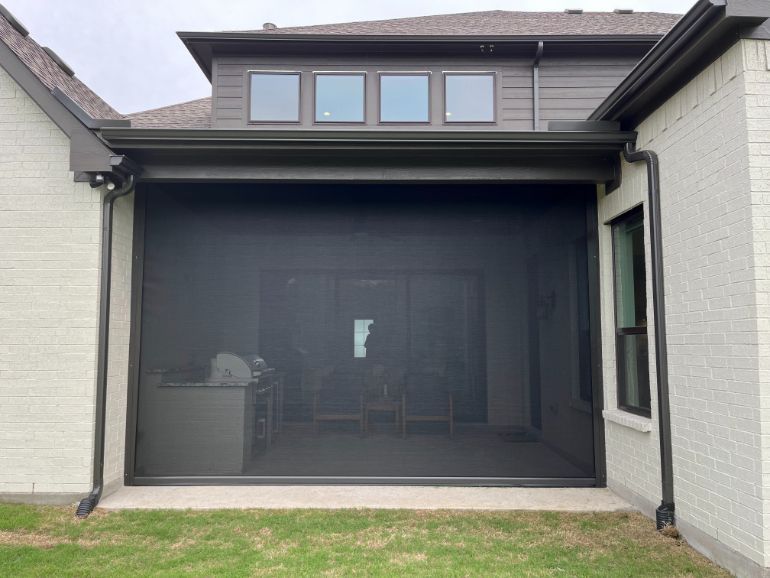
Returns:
<point x="365" y="332"/>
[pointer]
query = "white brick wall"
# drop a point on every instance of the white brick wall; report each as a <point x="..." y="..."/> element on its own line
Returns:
<point x="120" y="330"/>
<point x="49" y="274"/>
<point x="756" y="60"/>
<point x="709" y="138"/>
<point x="633" y="460"/>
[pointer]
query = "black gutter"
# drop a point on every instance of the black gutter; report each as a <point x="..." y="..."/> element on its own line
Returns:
<point x="203" y="45"/>
<point x="696" y="40"/>
<point x="128" y="138"/>
<point x="264" y="155"/>
<point x="664" y="514"/>
<point x="87" y="504"/>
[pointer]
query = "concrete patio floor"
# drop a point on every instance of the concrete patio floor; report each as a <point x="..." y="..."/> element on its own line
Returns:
<point x="386" y="497"/>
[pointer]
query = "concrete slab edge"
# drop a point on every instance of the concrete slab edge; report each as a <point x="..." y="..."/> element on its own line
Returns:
<point x="42" y="499"/>
<point x="366" y="497"/>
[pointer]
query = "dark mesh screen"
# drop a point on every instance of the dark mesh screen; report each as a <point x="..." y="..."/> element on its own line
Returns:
<point x="365" y="330"/>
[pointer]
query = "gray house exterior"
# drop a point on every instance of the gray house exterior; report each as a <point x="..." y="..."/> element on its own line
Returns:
<point x="494" y="248"/>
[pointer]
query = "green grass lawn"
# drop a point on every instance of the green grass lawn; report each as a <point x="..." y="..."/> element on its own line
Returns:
<point x="48" y="541"/>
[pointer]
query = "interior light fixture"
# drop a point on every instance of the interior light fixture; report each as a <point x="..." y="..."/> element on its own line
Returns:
<point x="327" y="113"/>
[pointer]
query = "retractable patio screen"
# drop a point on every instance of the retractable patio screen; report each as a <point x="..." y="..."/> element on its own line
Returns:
<point x="368" y="331"/>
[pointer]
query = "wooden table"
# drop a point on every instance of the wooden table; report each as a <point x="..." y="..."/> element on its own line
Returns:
<point x="384" y="405"/>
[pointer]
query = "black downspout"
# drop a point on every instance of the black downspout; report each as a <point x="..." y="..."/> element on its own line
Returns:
<point x="87" y="504"/>
<point x="536" y="86"/>
<point x="664" y="515"/>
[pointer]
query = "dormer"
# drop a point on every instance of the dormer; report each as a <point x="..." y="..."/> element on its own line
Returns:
<point x="495" y="70"/>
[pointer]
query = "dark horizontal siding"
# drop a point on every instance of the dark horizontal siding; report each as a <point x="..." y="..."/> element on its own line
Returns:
<point x="516" y="98"/>
<point x="231" y="90"/>
<point x="571" y="88"/>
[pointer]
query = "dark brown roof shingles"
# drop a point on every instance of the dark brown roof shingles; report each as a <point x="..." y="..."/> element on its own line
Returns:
<point x="197" y="113"/>
<point x="500" y="23"/>
<point x="193" y="114"/>
<point x="51" y="75"/>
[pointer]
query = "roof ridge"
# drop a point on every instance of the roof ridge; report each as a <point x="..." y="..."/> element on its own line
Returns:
<point x="420" y="16"/>
<point x="455" y="15"/>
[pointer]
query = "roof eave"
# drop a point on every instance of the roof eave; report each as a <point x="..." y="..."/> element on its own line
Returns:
<point x="83" y="116"/>
<point x="201" y="44"/>
<point x="248" y="155"/>
<point x="137" y="138"/>
<point x="697" y="39"/>
<point x="409" y="38"/>
<point x="87" y="152"/>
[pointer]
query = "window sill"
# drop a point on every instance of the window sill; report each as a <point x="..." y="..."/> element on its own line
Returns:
<point x="629" y="420"/>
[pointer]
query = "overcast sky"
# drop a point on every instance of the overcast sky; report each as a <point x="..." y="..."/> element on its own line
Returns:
<point x="129" y="54"/>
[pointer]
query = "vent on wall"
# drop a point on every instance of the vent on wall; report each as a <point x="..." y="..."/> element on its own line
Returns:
<point x="13" y="21"/>
<point x="57" y="59"/>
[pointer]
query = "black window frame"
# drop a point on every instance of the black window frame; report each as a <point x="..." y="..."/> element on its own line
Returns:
<point x="447" y="74"/>
<point x="623" y="331"/>
<point x="364" y="77"/>
<point x="253" y="73"/>
<point x="424" y="73"/>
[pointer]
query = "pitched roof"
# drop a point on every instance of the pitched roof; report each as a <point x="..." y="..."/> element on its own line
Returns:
<point x="500" y="23"/>
<point x="192" y="114"/>
<point x="52" y="74"/>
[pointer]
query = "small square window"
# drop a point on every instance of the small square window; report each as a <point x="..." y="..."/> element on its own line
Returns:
<point x="274" y="97"/>
<point x="360" y="333"/>
<point x="339" y="97"/>
<point x="404" y="97"/>
<point x="469" y="97"/>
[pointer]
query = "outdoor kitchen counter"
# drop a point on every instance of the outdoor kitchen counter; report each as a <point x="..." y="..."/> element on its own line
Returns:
<point x="202" y="427"/>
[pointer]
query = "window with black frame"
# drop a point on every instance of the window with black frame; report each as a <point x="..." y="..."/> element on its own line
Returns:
<point x="274" y="96"/>
<point x="405" y="97"/>
<point x="340" y="97"/>
<point x="469" y="97"/>
<point x="631" y="313"/>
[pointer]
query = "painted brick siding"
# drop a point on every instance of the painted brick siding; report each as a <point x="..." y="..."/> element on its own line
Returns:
<point x="49" y="274"/>
<point x="633" y="461"/>
<point x="757" y="87"/>
<point x="120" y="331"/>
<point x="716" y="306"/>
